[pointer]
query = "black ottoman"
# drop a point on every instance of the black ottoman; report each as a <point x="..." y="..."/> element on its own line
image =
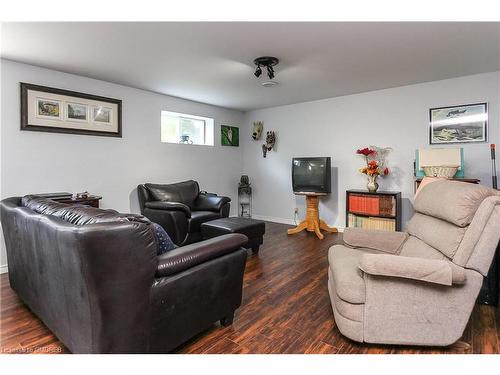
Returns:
<point x="253" y="229"/>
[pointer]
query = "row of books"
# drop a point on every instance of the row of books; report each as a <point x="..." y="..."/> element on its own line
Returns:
<point x="377" y="223"/>
<point x="384" y="205"/>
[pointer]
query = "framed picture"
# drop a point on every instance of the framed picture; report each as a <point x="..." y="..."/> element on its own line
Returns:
<point x="55" y="110"/>
<point x="459" y="124"/>
<point x="229" y="135"/>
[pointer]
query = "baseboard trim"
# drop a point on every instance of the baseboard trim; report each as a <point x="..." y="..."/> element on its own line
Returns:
<point x="274" y="219"/>
<point x="4" y="269"/>
<point x="281" y="220"/>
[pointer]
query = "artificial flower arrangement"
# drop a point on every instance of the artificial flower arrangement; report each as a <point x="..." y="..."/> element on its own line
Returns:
<point x="375" y="164"/>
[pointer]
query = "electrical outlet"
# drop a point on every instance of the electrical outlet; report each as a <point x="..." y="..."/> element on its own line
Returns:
<point x="296" y="211"/>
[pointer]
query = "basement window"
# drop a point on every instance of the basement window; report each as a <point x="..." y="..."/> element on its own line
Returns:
<point x="186" y="129"/>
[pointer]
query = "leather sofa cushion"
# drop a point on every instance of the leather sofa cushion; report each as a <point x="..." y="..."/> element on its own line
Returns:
<point x="189" y="256"/>
<point x="249" y="227"/>
<point x="452" y="201"/>
<point x="184" y="192"/>
<point x="77" y="215"/>
<point x="199" y="217"/>
<point x="437" y="233"/>
<point x="347" y="277"/>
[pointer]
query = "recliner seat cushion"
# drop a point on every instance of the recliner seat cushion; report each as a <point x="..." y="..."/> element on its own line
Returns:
<point x="347" y="277"/>
<point x="452" y="201"/>
<point x="184" y="192"/>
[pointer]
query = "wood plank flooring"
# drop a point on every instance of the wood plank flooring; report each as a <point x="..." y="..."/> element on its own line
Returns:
<point x="285" y="309"/>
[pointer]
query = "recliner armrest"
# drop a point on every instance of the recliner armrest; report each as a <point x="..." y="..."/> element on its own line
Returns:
<point x="210" y="202"/>
<point x="433" y="271"/>
<point x="388" y="242"/>
<point x="189" y="256"/>
<point x="169" y="206"/>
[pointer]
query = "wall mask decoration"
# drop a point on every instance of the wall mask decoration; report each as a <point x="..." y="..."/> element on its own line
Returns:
<point x="270" y="141"/>
<point x="257" y="130"/>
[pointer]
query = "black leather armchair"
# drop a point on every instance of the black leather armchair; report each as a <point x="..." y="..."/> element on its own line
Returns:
<point x="181" y="208"/>
<point x="93" y="277"/>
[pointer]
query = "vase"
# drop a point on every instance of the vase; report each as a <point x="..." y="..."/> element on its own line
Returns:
<point x="372" y="184"/>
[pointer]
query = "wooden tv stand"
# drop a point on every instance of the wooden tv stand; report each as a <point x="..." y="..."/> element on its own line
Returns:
<point x="312" y="222"/>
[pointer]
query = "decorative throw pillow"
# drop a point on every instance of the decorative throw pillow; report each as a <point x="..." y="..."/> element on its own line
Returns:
<point x="164" y="242"/>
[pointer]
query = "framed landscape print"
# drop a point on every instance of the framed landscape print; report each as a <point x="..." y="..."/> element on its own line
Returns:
<point x="229" y="135"/>
<point x="54" y="110"/>
<point x="459" y="124"/>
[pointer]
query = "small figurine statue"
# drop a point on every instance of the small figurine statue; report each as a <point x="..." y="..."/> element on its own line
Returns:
<point x="245" y="197"/>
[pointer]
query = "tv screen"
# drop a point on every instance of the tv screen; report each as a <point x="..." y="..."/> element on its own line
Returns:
<point x="311" y="175"/>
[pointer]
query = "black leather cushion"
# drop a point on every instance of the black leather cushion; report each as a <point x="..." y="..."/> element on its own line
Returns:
<point x="184" y="192"/>
<point x="189" y="256"/>
<point x="200" y="217"/>
<point x="77" y="215"/>
<point x="210" y="202"/>
<point x="172" y="206"/>
<point x="249" y="227"/>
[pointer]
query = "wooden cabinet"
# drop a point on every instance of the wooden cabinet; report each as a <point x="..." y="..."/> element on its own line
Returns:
<point x="380" y="210"/>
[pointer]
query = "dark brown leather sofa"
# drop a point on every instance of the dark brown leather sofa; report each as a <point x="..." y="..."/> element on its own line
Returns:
<point x="181" y="208"/>
<point x="93" y="277"/>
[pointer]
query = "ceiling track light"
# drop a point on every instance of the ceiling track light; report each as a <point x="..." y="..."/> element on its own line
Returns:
<point x="258" y="71"/>
<point x="266" y="62"/>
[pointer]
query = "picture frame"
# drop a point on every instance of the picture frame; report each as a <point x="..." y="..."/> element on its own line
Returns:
<point x="466" y="123"/>
<point x="49" y="109"/>
<point x="229" y="135"/>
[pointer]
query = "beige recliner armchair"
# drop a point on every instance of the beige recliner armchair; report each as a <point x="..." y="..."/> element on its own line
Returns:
<point x="417" y="287"/>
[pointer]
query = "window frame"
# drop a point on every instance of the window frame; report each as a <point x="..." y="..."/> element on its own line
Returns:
<point x="208" y="127"/>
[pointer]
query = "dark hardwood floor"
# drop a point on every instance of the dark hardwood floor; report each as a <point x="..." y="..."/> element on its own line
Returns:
<point x="285" y="309"/>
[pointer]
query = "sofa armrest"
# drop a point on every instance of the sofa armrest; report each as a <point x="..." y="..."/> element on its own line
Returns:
<point x="189" y="256"/>
<point x="429" y="270"/>
<point x="169" y="206"/>
<point x="210" y="202"/>
<point x="388" y="242"/>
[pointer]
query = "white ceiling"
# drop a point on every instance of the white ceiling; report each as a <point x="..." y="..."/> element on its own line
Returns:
<point x="212" y="62"/>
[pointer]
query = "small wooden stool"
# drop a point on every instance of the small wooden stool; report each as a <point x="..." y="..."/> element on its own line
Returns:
<point x="312" y="222"/>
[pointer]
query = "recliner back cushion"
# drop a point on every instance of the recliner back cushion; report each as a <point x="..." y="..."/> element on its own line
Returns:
<point x="452" y="201"/>
<point x="415" y="247"/>
<point x="480" y="241"/>
<point x="437" y="233"/>
<point x="184" y="192"/>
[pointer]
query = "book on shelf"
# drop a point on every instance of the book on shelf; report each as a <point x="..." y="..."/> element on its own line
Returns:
<point x="373" y="223"/>
<point x="384" y="205"/>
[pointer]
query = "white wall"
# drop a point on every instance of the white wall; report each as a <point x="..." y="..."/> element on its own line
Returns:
<point x="112" y="167"/>
<point x="336" y="127"/>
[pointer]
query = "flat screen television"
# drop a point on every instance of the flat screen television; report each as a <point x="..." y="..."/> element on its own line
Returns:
<point x="311" y="175"/>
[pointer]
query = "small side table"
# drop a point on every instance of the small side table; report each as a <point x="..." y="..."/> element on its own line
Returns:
<point x="312" y="222"/>
<point x="64" y="197"/>
<point x="91" y="200"/>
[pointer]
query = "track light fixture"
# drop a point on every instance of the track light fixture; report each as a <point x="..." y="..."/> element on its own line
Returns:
<point x="258" y="71"/>
<point x="267" y="62"/>
<point x="270" y="72"/>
